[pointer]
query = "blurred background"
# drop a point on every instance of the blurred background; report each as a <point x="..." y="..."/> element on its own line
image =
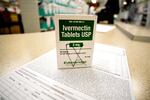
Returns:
<point x="121" y="23"/>
<point x="26" y="16"/>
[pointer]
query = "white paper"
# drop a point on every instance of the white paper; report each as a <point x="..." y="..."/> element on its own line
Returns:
<point x="24" y="84"/>
<point x="111" y="60"/>
<point x="98" y="82"/>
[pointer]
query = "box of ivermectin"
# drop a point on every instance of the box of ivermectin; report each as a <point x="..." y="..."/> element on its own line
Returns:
<point x="75" y="40"/>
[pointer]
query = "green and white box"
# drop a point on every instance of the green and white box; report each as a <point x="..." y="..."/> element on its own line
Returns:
<point x="75" y="40"/>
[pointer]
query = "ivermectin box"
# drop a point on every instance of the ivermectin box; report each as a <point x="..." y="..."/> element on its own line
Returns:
<point x="75" y="40"/>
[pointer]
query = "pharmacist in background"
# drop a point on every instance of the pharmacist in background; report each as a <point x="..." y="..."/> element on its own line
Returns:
<point x="107" y="14"/>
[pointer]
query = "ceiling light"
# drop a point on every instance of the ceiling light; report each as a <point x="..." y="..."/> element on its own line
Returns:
<point x="124" y="3"/>
<point x="132" y="0"/>
<point x="93" y="1"/>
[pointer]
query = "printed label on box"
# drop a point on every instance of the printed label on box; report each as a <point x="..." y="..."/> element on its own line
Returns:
<point x="74" y="40"/>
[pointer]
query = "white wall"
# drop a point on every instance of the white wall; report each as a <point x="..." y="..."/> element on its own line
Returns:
<point x="30" y="17"/>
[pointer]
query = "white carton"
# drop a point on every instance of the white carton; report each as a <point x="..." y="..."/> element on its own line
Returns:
<point x="75" y="40"/>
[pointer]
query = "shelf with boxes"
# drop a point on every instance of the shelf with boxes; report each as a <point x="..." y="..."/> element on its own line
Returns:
<point x="10" y="17"/>
<point x="48" y="8"/>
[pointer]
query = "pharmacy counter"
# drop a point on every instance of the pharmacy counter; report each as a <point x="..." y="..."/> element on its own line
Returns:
<point x="17" y="50"/>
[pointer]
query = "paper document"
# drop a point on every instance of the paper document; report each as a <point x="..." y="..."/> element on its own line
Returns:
<point x="107" y="79"/>
<point x="111" y="60"/>
<point x="24" y="84"/>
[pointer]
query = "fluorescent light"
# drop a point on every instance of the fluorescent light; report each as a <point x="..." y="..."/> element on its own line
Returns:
<point x="115" y="16"/>
<point x="132" y="0"/>
<point x="93" y="1"/>
<point x="124" y="3"/>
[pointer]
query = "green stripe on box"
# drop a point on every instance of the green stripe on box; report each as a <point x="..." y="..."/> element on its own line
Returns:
<point x="74" y="30"/>
<point x="75" y="44"/>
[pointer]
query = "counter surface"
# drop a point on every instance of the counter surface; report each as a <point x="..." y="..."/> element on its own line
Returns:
<point x="16" y="50"/>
